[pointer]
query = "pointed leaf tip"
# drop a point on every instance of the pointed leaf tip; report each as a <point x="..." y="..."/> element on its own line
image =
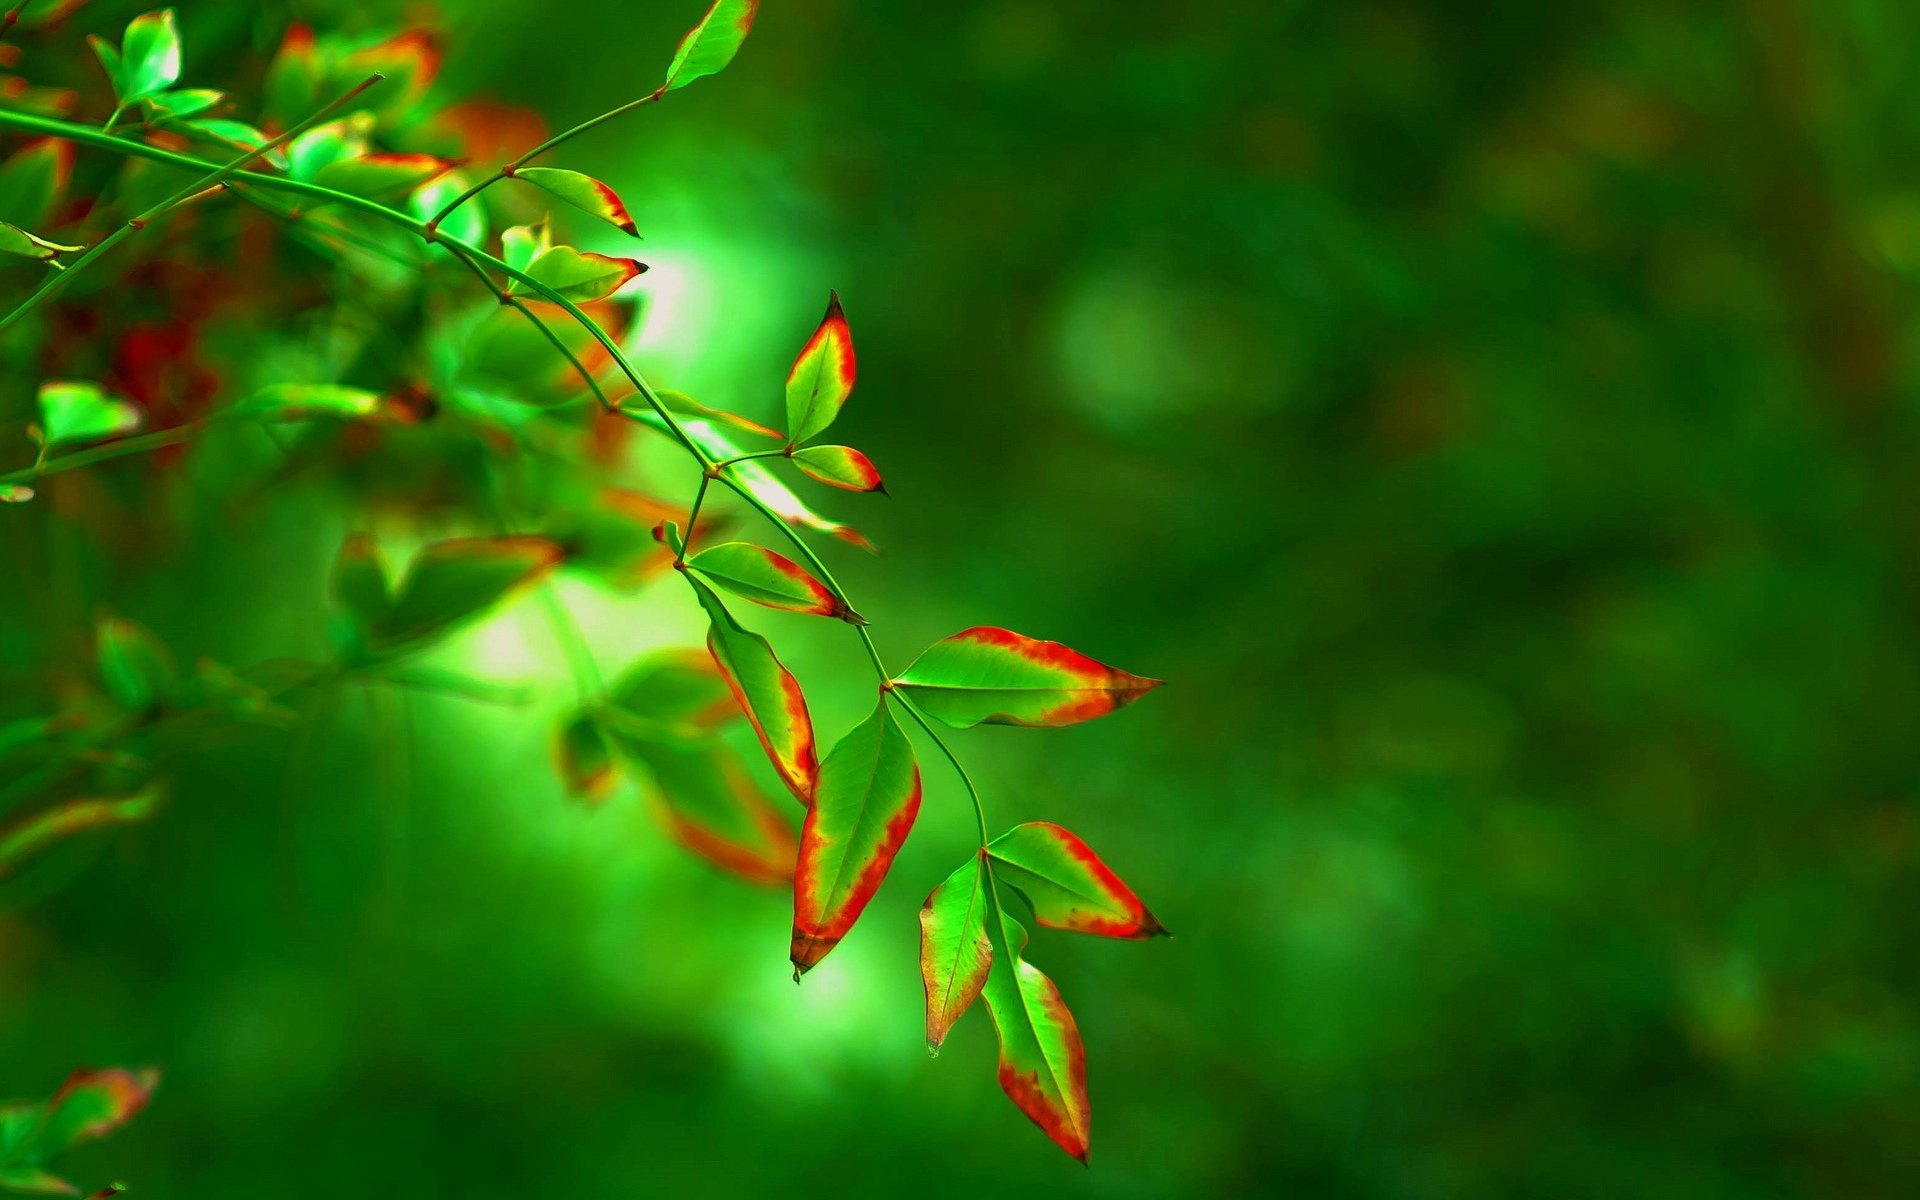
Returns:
<point x="822" y="376"/>
<point x="841" y="467"/>
<point x="988" y="675"/>
<point x="767" y="693"/>
<point x="583" y="192"/>
<point x="764" y="577"/>
<point x="1068" y="885"/>
<point x="955" y="954"/>
<point x="710" y="45"/>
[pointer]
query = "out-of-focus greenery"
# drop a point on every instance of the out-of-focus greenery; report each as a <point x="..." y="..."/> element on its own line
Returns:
<point x="1496" y="421"/>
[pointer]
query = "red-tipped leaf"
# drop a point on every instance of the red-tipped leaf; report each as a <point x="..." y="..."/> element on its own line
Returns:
<point x="758" y="574"/>
<point x="821" y="378"/>
<point x="1067" y="884"/>
<point x="863" y="809"/>
<point x="767" y="692"/>
<point x="579" y="276"/>
<point x="954" y="951"/>
<point x="841" y="467"/>
<point x="709" y="46"/>
<point x="1043" y="1065"/>
<point x="584" y="192"/>
<point x="994" y="676"/>
<point x="709" y="803"/>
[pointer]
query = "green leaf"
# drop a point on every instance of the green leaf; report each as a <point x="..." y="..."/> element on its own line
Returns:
<point x="18" y="1122"/>
<point x="72" y="412"/>
<point x="579" y="276"/>
<point x="377" y="176"/>
<point x="185" y="102"/>
<point x="134" y="665"/>
<point x="863" y="808"/>
<point x="230" y="135"/>
<point x="673" y="696"/>
<point x="454" y="581"/>
<point x="33" y="181"/>
<point x="821" y="378"/>
<point x="35" y="1181"/>
<point x="359" y="583"/>
<point x="409" y="61"/>
<point x="684" y="406"/>
<point x="706" y="800"/>
<point x="14" y="240"/>
<point x="766" y="691"/>
<point x="304" y="401"/>
<point x="70" y="819"/>
<point x="91" y="1105"/>
<point x="38" y="14"/>
<point x="291" y="89"/>
<point x="149" y="55"/>
<point x="709" y="46"/>
<point x="1067" y="884"/>
<point x="667" y="533"/>
<point x="758" y="574"/>
<point x="323" y="145"/>
<point x="841" y="467"/>
<point x="954" y="951"/>
<point x="468" y="223"/>
<point x="994" y="676"/>
<point x="521" y="244"/>
<point x="584" y="758"/>
<point x="109" y="56"/>
<point x="584" y="192"/>
<point x="1043" y="1065"/>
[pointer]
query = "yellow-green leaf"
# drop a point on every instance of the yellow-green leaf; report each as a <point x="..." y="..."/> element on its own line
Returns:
<point x="821" y="378"/>
<point x="73" y="412"/>
<point x="584" y="192"/>
<point x="709" y="46"/>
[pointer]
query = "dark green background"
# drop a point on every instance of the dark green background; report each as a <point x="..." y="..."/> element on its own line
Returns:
<point x="1496" y="421"/>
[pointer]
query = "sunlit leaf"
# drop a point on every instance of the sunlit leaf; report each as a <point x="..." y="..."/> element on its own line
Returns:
<point x="758" y="574"/>
<point x="185" y="102"/>
<point x="687" y="408"/>
<point x="38" y="14"/>
<point x="767" y="692"/>
<point x="134" y="666"/>
<point x="149" y="55"/>
<point x="468" y="223"/>
<point x="841" y="467"/>
<point x="303" y="401"/>
<point x="1067" y="884"/>
<point x="230" y="135"/>
<point x="521" y="244"/>
<point x="821" y="378"/>
<point x="998" y="677"/>
<point x="584" y="758"/>
<point x="72" y="412"/>
<point x="709" y="46"/>
<point x="863" y="808"/>
<point x="323" y="145"/>
<point x="377" y="176"/>
<point x="453" y="581"/>
<point x="70" y="819"/>
<point x="1043" y="1065"/>
<point x="580" y="276"/>
<point x="711" y="805"/>
<point x="14" y="240"/>
<point x="954" y="951"/>
<point x="33" y="181"/>
<point x="584" y="192"/>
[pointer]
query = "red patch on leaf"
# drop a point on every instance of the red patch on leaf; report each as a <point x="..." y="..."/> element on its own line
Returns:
<point x="1114" y="688"/>
<point x="818" y="928"/>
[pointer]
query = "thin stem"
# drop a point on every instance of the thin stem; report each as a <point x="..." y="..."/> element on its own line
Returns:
<point x="693" y="517"/>
<point x="740" y="458"/>
<point x="112" y="450"/>
<point x="53" y="283"/>
<point x="973" y="792"/>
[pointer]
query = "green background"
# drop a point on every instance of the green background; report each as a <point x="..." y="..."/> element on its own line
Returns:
<point x="1497" y="422"/>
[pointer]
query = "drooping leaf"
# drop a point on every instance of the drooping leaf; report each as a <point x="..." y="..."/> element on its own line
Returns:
<point x="453" y="581"/>
<point x="758" y="574"/>
<point x="863" y="808"/>
<point x="468" y="223"/>
<point x="686" y="407"/>
<point x="521" y="244"/>
<point x="673" y="695"/>
<point x="303" y="401"/>
<point x="14" y="240"/>
<point x="74" y="817"/>
<point x="821" y="378"/>
<point x="378" y="176"/>
<point x="72" y="412"/>
<point x="149" y="55"/>
<point x="709" y="46"/>
<point x="584" y="192"/>
<point x="584" y="758"/>
<point x="1043" y="1065"/>
<point x="1067" y="884"/>
<point x="580" y="276"/>
<point x="710" y="804"/>
<point x="134" y="666"/>
<point x="767" y="692"/>
<point x="841" y="467"/>
<point x="998" y="677"/>
<point x="360" y="580"/>
<point x="954" y="951"/>
<point x="33" y="181"/>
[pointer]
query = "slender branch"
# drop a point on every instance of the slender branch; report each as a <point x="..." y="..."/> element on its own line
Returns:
<point x="112" y="450"/>
<point x="693" y="516"/>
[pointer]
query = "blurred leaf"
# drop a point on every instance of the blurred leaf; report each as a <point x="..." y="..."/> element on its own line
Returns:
<point x="677" y="695"/>
<point x="863" y="808"/>
<point x="767" y="692"/>
<point x="33" y="181"/>
<point x="454" y="581"/>
<point x="758" y="574"/>
<point x="379" y="176"/>
<point x="149" y="55"/>
<point x="821" y="378"/>
<point x="304" y="401"/>
<point x="1067" y="884"/>
<point x="709" y="804"/>
<point x="134" y="665"/>
<point x="185" y="102"/>
<point x="584" y="758"/>
<point x="998" y="677"/>
<point x="335" y="141"/>
<point x="468" y="223"/>
<point x="73" y="412"/>
<point x="841" y="467"/>
<point x="954" y="951"/>
<point x="584" y="192"/>
<point x="686" y="407"/>
<point x="709" y="46"/>
<point x="70" y="819"/>
<point x="360" y="583"/>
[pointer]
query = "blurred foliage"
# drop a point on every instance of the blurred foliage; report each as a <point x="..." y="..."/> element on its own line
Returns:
<point x="1498" y="424"/>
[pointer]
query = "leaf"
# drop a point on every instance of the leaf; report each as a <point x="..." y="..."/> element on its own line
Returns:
<point x="73" y="412"/>
<point x="863" y="808"/>
<point x="997" y="677"/>
<point x="766" y="691"/>
<point x="15" y="493"/>
<point x="841" y="467"/>
<point x="682" y="405"/>
<point x="1067" y="884"/>
<point x="709" y="46"/>
<point x="70" y="819"/>
<point x="579" y="276"/>
<point x="1043" y="1065"/>
<point x="777" y="496"/>
<point x="954" y="951"/>
<point x="667" y="533"/>
<point x="323" y="145"/>
<point x="149" y="55"/>
<point x="34" y="180"/>
<point x="185" y="102"/>
<point x="14" y="240"/>
<point x="584" y="192"/>
<point x="38" y="14"/>
<point x="453" y="581"/>
<point x="584" y="758"/>
<point x="303" y="401"/>
<point x="359" y="582"/>
<point x="709" y="803"/>
<point x="292" y="85"/>
<point x="134" y="665"/>
<point x="758" y="574"/>
<point x="409" y="61"/>
<point x="821" y="378"/>
<point x="109" y="56"/>
<point x="521" y="244"/>
<point x="380" y="175"/>
<point x="36" y="1181"/>
<point x="674" y="695"/>
<point x="468" y="223"/>
<point x="91" y="1105"/>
